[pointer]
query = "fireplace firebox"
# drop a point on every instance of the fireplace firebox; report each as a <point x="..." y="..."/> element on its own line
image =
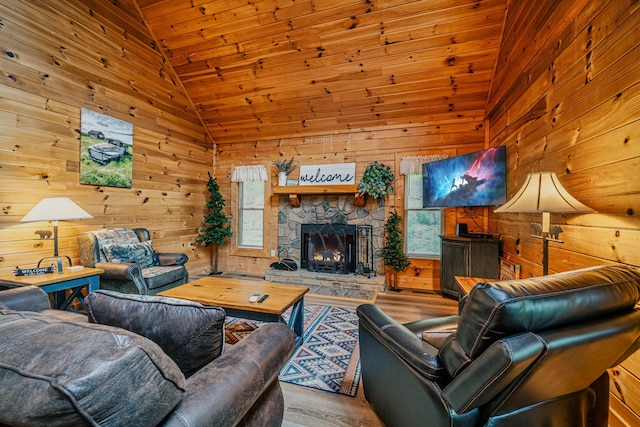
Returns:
<point x="328" y="248"/>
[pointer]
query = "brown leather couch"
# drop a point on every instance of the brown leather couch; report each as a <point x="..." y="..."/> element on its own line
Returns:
<point x="529" y="352"/>
<point x="139" y="361"/>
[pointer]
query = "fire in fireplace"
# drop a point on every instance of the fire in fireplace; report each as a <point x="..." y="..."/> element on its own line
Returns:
<point x="328" y="248"/>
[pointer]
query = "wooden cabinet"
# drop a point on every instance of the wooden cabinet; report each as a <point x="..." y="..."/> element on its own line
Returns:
<point x="465" y="256"/>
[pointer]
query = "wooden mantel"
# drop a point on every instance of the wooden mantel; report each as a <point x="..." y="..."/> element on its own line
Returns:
<point x="294" y="191"/>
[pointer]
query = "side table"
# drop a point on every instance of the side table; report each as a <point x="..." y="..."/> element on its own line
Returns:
<point x="56" y="282"/>
<point x="466" y="283"/>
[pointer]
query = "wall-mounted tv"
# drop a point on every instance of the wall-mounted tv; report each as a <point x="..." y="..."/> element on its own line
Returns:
<point x="474" y="179"/>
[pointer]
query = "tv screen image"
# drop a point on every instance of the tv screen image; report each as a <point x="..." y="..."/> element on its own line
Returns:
<point x="474" y="179"/>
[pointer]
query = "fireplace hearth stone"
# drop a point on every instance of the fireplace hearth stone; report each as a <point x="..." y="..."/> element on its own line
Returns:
<point x="338" y="285"/>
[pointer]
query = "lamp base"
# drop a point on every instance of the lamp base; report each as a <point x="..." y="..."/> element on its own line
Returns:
<point x="57" y="258"/>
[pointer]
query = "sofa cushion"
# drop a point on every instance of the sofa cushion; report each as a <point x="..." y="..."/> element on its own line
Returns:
<point x="190" y="333"/>
<point x="436" y="338"/>
<point x="140" y="253"/>
<point x="159" y="275"/>
<point x="72" y="373"/>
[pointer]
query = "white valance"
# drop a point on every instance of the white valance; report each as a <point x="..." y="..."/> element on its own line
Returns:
<point x="412" y="165"/>
<point x="249" y="173"/>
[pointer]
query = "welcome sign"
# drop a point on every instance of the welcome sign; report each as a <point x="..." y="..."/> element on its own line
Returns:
<point x="331" y="174"/>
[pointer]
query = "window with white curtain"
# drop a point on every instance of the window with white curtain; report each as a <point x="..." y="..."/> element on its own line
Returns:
<point x="423" y="226"/>
<point x="250" y="205"/>
<point x="251" y="214"/>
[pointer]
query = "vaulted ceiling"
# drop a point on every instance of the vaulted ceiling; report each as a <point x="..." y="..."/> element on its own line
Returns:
<point x="262" y="69"/>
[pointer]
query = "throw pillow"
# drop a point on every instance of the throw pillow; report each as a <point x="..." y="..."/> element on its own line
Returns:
<point x="140" y="253"/>
<point x="61" y="373"/>
<point x="190" y="333"/>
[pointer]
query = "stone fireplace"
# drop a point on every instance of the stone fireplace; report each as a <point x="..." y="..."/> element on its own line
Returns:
<point x="323" y="236"/>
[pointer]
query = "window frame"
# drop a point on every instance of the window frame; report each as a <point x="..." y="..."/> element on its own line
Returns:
<point x="236" y="248"/>
<point x="408" y="210"/>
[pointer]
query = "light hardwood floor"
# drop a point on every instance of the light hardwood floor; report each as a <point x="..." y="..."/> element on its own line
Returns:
<point x="313" y="408"/>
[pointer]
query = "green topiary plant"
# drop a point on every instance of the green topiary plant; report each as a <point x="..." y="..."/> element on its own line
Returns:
<point x="377" y="181"/>
<point x="393" y="252"/>
<point x="216" y="223"/>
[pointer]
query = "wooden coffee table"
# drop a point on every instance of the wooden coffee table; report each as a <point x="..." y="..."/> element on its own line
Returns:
<point x="233" y="295"/>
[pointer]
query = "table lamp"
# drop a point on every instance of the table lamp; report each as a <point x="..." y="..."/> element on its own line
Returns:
<point x="543" y="193"/>
<point x="55" y="209"/>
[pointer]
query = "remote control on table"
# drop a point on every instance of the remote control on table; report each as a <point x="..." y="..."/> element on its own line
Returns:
<point x="254" y="297"/>
<point x="264" y="297"/>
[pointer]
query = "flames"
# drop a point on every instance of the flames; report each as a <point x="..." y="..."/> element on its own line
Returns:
<point x="328" y="256"/>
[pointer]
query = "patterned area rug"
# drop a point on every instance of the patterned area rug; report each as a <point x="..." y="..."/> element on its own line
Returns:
<point x="329" y="357"/>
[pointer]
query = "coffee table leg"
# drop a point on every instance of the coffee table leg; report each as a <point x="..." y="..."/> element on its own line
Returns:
<point x="296" y="321"/>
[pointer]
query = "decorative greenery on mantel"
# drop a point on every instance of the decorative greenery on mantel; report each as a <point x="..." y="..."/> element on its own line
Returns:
<point x="285" y="166"/>
<point x="377" y="181"/>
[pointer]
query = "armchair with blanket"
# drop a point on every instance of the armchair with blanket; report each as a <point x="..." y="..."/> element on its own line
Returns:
<point x="528" y="352"/>
<point x="140" y="361"/>
<point x="129" y="262"/>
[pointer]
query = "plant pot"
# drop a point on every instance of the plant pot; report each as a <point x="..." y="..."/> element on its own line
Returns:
<point x="282" y="179"/>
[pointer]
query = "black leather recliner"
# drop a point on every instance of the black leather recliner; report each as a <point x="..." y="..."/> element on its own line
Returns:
<point x="529" y="352"/>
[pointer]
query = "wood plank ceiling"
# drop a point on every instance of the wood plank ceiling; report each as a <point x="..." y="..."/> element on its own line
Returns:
<point x="268" y="69"/>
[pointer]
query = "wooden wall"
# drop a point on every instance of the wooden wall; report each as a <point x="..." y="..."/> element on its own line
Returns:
<point x="566" y="98"/>
<point x="58" y="57"/>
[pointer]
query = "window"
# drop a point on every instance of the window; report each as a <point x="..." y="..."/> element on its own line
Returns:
<point x="251" y="207"/>
<point x="423" y="227"/>
<point x="251" y="215"/>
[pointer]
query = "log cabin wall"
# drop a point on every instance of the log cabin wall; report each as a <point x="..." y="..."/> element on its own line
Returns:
<point x="58" y="57"/>
<point x="566" y="98"/>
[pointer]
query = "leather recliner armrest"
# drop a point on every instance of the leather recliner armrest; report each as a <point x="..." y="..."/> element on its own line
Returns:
<point x="172" y="258"/>
<point x="493" y="371"/>
<point x="421" y="355"/>
<point x="119" y="270"/>
<point x="226" y="388"/>
<point x="25" y="298"/>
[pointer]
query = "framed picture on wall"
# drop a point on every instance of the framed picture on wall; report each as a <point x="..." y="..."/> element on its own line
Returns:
<point x="106" y="150"/>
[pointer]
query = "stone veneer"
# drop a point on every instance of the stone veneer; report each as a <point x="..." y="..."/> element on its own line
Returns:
<point x="329" y="209"/>
<point x="336" y="285"/>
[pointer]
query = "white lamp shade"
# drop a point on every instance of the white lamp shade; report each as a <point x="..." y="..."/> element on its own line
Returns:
<point x="542" y="192"/>
<point x="55" y="208"/>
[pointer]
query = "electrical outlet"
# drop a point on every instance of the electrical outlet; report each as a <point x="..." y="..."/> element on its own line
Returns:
<point x="273" y="252"/>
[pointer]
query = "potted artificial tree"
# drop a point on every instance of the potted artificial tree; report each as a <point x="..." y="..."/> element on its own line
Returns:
<point x="376" y="182"/>
<point x="216" y="223"/>
<point x="284" y="167"/>
<point x="393" y="253"/>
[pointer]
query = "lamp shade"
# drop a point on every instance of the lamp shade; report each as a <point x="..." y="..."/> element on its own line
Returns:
<point x="542" y="192"/>
<point x="55" y="208"/>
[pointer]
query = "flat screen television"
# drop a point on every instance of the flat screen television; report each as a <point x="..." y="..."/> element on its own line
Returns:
<point x="474" y="179"/>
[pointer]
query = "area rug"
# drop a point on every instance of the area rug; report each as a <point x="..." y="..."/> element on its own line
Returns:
<point x="329" y="357"/>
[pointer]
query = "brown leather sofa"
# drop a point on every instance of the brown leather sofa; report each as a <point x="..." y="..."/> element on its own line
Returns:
<point x="529" y="352"/>
<point x="139" y="361"/>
